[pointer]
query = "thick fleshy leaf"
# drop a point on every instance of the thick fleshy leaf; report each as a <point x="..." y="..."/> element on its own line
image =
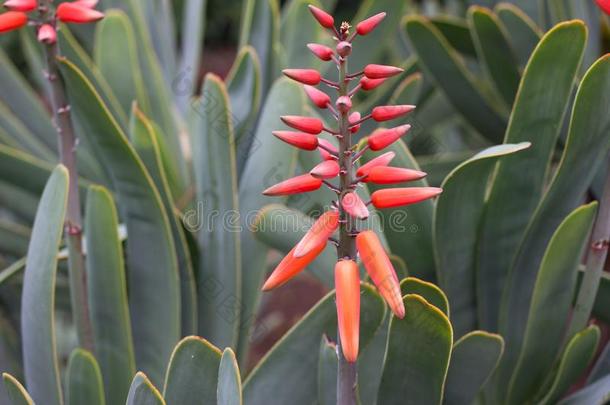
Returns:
<point x="229" y="380"/>
<point x="143" y="392"/>
<point x="473" y="359"/>
<point x="107" y="293"/>
<point x="464" y="191"/>
<point x="192" y="373"/>
<point x="524" y="34"/>
<point x="16" y="392"/>
<point x="269" y="161"/>
<point x="457" y="32"/>
<point x="417" y="356"/>
<point x="151" y="255"/>
<point x="219" y="273"/>
<point x="554" y="289"/>
<point x="327" y="372"/>
<point x="14" y="133"/>
<point x="14" y="238"/>
<point x="38" y="298"/>
<point x="537" y="117"/>
<point x="292" y="355"/>
<point x="83" y="380"/>
<point x="430" y="292"/>
<point x="444" y="66"/>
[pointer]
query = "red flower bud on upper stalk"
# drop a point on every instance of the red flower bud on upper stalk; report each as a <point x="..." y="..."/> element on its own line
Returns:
<point x="47" y="34"/>
<point x="604" y="5"/>
<point x="318" y="97"/>
<point x="326" y="20"/>
<point x="328" y="169"/>
<point x="344" y="49"/>
<point x="295" y="185"/>
<point x="343" y="104"/>
<point x="77" y="13"/>
<point x="300" y="140"/>
<point x="381" y="160"/>
<point x="354" y="117"/>
<point x="21" y="5"/>
<point x="396" y="197"/>
<point x="86" y="3"/>
<point x="290" y="266"/>
<point x="318" y="234"/>
<point x="324" y="148"/>
<point x="389" y="175"/>
<point x="369" y="24"/>
<point x="12" y="20"/>
<point x="347" y="284"/>
<point x="305" y="76"/>
<point x="382" y="138"/>
<point x="369" y="84"/>
<point x="353" y="205"/>
<point x="381" y="71"/>
<point x="321" y="51"/>
<point x="306" y="124"/>
<point x="390" y="112"/>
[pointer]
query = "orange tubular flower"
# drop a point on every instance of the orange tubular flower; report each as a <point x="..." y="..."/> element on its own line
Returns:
<point x="347" y="284"/>
<point x="381" y="71"/>
<point x="385" y="137"/>
<point x="21" y="5"/>
<point x="389" y="175"/>
<point x="290" y="266"/>
<point x="369" y="24"/>
<point x="12" y="20"/>
<point x="306" y="124"/>
<point x="295" y="185"/>
<point x="326" y="20"/>
<point x="370" y="84"/>
<point x="380" y="269"/>
<point x="77" y="13"/>
<point x="390" y="112"/>
<point x="305" y="76"/>
<point x="319" y="233"/>
<point x="300" y="140"/>
<point x="353" y="205"/>
<point x="326" y="170"/>
<point x="381" y="160"/>
<point x="396" y="197"/>
<point x="321" y="51"/>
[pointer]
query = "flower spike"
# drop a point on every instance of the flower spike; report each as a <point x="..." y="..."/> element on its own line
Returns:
<point x="321" y="51"/>
<point x="381" y="71"/>
<point x="318" y="97"/>
<point x="305" y="76"/>
<point x="390" y="112"/>
<point x="369" y="24"/>
<point x="381" y="160"/>
<point x="353" y="205"/>
<point x="77" y="14"/>
<point x="328" y="169"/>
<point x="290" y="266"/>
<point x="21" y="5"/>
<point x="318" y="234"/>
<point x="326" y="20"/>
<point x="12" y="20"/>
<point x="47" y="34"/>
<point x="295" y="185"/>
<point x="389" y="175"/>
<point x="300" y="140"/>
<point x="347" y="284"/>
<point x="385" y="137"/>
<point x="380" y="269"/>
<point x="396" y="197"/>
<point x="305" y="124"/>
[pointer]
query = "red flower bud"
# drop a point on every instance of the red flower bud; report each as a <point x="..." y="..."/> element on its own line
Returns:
<point x="77" y="14"/>
<point x="321" y="51"/>
<point x="344" y="49"/>
<point x="299" y="184"/>
<point x="306" y="124"/>
<point x="318" y="97"/>
<point x="21" y="5"/>
<point x="12" y="20"/>
<point x="381" y="71"/>
<point x="396" y="197"/>
<point x="326" y="155"/>
<point x="347" y="284"/>
<point x="389" y="112"/>
<point x="604" y="5"/>
<point x="47" y="34"/>
<point x="381" y="160"/>
<point x="380" y="269"/>
<point x="354" y="117"/>
<point x="290" y="266"/>
<point x="389" y="175"/>
<point x="318" y="234"/>
<point x="384" y="137"/>
<point x="369" y="84"/>
<point x="353" y="205"/>
<point x="343" y="104"/>
<point x="326" y="20"/>
<point x="86" y="3"/>
<point x="326" y="170"/>
<point x="305" y="76"/>
<point x="300" y="140"/>
<point x="369" y="24"/>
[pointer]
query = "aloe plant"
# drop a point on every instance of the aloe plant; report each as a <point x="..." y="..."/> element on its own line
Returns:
<point x="510" y="103"/>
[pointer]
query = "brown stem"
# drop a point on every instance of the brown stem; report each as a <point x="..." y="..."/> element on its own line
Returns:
<point x="73" y="221"/>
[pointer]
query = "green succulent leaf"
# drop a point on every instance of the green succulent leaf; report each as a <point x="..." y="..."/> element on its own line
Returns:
<point x="14" y="238"/>
<point x="38" y="297"/>
<point x="192" y="373"/>
<point x="430" y="292"/>
<point x="143" y="392"/>
<point x="473" y="359"/>
<point x="554" y="289"/>
<point x="327" y="372"/>
<point x="151" y="255"/>
<point x="288" y="372"/>
<point x="83" y="380"/>
<point x="107" y="294"/>
<point x="15" y="133"/>
<point x="524" y="33"/>
<point x="229" y="380"/>
<point x="16" y="392"/>
<point x="457" y="33"/>
<point x="417" y="355"/>
<point x="597" y="393"/>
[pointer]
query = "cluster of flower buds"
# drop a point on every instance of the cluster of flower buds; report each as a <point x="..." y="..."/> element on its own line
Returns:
<point x="342" y="163"/>
<point x="76" y="12"/>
